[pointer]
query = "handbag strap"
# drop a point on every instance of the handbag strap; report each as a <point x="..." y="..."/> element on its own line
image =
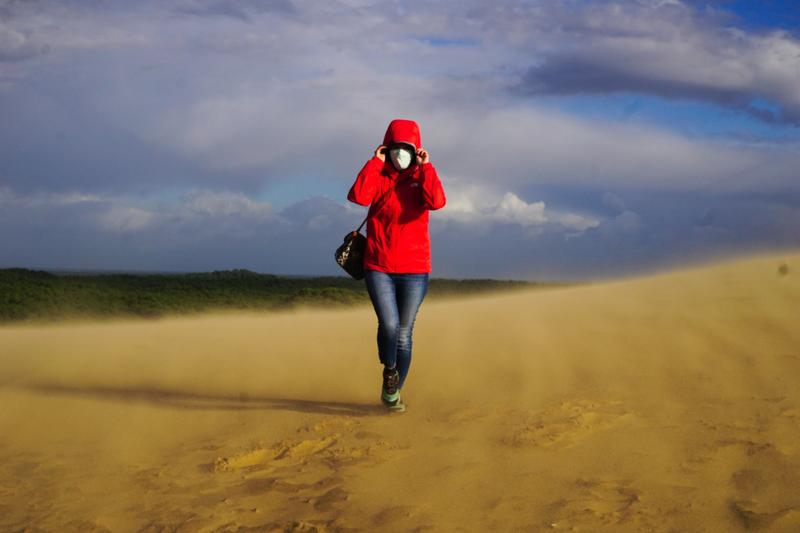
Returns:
<point x="384" y="195"/>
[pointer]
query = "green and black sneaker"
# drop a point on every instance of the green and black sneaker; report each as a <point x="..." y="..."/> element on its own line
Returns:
<point x="390" y="394"/>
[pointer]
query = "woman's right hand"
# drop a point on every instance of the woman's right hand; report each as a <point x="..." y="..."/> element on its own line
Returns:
<point x="378" y="153"/>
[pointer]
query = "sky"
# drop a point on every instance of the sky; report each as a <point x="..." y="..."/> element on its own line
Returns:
<point x="574" y="140"/>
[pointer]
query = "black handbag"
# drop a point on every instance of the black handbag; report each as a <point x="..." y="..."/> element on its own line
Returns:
<point x="350" y="254"/>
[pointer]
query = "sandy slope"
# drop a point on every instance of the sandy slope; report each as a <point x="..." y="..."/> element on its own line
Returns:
<point x="663" y="403"/>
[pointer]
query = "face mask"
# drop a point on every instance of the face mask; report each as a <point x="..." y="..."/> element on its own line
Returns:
<point x="401" y="157"/>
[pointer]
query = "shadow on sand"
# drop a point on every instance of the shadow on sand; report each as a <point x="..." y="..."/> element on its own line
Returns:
<point x="191" y="400"/>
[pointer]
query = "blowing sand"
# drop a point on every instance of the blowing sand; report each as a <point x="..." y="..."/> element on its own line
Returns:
<point x="660" y="403"/>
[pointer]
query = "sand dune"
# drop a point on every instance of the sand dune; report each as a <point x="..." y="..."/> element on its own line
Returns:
<point x="662" y="403"/>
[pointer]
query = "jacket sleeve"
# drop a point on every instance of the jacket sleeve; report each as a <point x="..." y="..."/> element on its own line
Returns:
<point x="432" y="191"/>
<point x="366" y="185"/>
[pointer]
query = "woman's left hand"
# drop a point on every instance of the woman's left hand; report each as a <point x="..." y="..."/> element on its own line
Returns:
<point x="422" y="156"/>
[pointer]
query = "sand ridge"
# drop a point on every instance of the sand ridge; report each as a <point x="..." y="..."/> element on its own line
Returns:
<point x="660" y="403"/>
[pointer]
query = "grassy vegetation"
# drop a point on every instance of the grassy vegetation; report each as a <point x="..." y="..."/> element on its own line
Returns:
<point x="39" y="295"/>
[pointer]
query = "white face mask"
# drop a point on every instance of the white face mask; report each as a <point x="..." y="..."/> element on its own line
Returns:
<point x="401" y="157"/>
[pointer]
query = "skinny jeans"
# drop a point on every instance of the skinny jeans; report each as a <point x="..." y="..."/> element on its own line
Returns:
<point x="396" y="298"/>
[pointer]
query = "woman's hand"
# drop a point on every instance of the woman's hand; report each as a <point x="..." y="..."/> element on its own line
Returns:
<point x="422" y="156"/>
<point x="379" y="152"/>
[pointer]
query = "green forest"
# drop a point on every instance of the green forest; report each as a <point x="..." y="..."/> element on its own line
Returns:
<point x="44" y="296"/>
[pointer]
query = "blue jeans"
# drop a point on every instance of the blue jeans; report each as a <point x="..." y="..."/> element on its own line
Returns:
<point x="396" y="298"/>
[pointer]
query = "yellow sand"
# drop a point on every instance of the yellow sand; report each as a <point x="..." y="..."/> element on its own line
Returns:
<point x="660" y="403"/>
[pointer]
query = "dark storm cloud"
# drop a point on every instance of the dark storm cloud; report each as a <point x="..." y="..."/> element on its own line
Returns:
<point x="148" y="134"/>
<point x="580" y="75"/>
<point x="669" y="49"/>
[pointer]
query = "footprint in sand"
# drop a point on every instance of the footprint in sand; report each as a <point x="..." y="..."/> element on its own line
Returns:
<point x="562" y="425"/>
<point x="391" y="516"/>
<point x="763" y="483"/>
<point x="340" y="442"/>
<point x="757" y="515"/>
<point x="304" y="471"/>
<point x="765" y="490"/>
<point x="599" y="502"/>
<point x="284" y="453"/>
<point x="753" y="434"/>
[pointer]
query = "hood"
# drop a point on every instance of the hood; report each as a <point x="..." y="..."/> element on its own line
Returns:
<point x="402" y="130"/>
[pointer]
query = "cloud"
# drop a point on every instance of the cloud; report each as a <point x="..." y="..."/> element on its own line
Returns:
<point x="512" y="209"/>
<point x="125" y="219"/>
<point x="275" y="130"/>
<point x="499" y="235"/>
<point x="482" y="208"/>
<point x="670" y="50"/>
<point x="225" y="203"/>
<point x="319" y="213"/>
<point x="164" y="135"/>
<point x="45" y="198"/>
<point x="613" y="201"/>
<point x="19" y="45"/>
<point x="236" y="9"/>
<point x="625" y="223"/>
<point x="165" y="99"/>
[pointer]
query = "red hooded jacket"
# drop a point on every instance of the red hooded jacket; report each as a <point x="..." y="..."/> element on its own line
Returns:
<point x="397" y="226"/>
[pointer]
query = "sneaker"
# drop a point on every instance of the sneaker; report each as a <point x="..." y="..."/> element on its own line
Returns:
<point x="390" y="394"/>
<point x="398" y="406"/>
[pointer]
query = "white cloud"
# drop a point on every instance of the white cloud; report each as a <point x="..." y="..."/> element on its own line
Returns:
<point x="485" y="206"/>
<point x="512" y="209"/>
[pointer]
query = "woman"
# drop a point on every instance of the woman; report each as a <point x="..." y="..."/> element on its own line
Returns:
<point x="397" y="260"/>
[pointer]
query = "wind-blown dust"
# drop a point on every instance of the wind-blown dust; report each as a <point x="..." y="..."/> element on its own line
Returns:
<point x="662" y="403"/>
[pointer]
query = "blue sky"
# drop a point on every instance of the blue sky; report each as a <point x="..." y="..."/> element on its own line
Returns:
<point x="764" y="14"/>
<point x="575" y="140"/>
